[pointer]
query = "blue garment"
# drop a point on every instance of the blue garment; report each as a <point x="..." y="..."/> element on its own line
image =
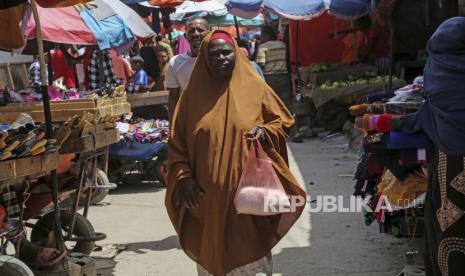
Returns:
<point x="402" y="141"/>
<point x="140" y="78"/>
<point x="258" y="69"/>
<point x="442" y="116"/>
<point x="110" y="32"/>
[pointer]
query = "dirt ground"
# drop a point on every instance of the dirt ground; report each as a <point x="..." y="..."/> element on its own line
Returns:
<point x="326" y="244"/>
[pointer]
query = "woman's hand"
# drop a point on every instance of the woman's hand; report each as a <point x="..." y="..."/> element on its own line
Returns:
<point x="188" y="192"/>
<point x="257" y="133"/>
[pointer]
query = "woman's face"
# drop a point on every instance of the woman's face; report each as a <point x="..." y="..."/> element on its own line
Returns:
<point x="221" y="58"/>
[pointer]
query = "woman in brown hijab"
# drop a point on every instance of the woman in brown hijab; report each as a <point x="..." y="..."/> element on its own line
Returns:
<point x="224" y="101"/>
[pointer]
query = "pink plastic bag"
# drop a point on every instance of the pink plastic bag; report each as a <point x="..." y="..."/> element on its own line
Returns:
<point x="260" y="191"/>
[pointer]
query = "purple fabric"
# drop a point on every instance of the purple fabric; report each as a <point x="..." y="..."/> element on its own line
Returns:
<point x="183" y="46"/>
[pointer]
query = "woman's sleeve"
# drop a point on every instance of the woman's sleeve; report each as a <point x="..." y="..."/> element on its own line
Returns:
<point x="277" y="122"/>
<point x="178" y="156"/>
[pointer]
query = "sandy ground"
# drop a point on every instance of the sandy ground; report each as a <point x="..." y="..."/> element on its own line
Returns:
<point x="319" y="244"/>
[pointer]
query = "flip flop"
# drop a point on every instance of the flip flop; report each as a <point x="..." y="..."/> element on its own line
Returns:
<point x="44" y="255"/>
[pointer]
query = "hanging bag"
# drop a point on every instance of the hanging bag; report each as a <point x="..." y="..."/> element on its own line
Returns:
<point x="260" y="192"/>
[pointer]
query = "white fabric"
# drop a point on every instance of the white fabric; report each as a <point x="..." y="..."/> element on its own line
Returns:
<point x="179" y="70"/>
<point x="200" y="9"/>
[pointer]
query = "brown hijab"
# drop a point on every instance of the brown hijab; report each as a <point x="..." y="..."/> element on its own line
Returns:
<point x="208" y="143"/>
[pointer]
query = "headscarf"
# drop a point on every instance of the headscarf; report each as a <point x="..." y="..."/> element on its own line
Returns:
<point x="442" y="116"/>
<point x="208" y="143"/>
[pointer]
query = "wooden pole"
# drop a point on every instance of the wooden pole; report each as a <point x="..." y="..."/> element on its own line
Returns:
<point x="48" y="122"/>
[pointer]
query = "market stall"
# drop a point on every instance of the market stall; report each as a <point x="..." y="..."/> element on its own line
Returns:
<point x="80" y="123"/>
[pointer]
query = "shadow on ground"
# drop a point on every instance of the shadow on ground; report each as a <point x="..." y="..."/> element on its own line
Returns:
<point x="168" y="243"/>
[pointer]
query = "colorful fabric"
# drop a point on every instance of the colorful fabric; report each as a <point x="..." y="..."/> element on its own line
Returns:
<point x="61" y="69"/>
<point x="96" y="81"/>
<point x="34" y="73"/>
<point x="140" y="78"/>
<point x="399" y="140"/>
<point x="110" y="32"/>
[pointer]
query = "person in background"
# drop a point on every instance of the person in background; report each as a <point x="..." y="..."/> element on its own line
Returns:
<point x="62" y="69"/>
<point x="180" y="66"/>
<point x="121" y="68"/>
<point x="95" y="80"/>
<point x="271" y="57"/>
<point x="163" y="46"/>
<point x="149" y="55"/>
<point x="163" y="59"/>
<point x="34" y="72"/>
<point x="140" y="77"/>
<point x="254" y="45"/>
<point x="254" y="65"/>
<point x="372" y="44"/>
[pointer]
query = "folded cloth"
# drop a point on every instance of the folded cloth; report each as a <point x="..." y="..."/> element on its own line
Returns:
<point x="384" y="122"/>
<point x="379" y="96"/>
<point x="403" y="193"/>
<point x="390" y="160"/>
<point x="402" y="108"/>
<point x="395" y="123"/>
<point x="401" y="141"/>
<point x="358" y="110"/>
<point x="412" y="157"/>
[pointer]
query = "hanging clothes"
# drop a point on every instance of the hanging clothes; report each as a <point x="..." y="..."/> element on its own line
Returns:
<point x="61" y="69"/>
<point x="109" y="29"/>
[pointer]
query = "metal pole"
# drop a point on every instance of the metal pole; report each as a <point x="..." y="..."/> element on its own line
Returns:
<point x="48" y="122"/>
<point x="391" y="51"/>
<point x="236" y="23"/>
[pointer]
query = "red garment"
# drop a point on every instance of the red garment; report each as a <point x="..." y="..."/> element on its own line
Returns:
<point x="62" y="69"/>
<point x="314" y="43"/>
<point x="381" y="47"/>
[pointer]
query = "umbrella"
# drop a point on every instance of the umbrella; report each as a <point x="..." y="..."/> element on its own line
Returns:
<point x="65" y="25"/>
<point x="156" y="3"/>
<point x="228" y="20"/>
<point x="300" y="9"/>
<point x="202" y="9"/>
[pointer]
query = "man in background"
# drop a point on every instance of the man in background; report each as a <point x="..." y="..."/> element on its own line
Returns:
<point x="180" y="66"/>
<point x="271" y="57"/>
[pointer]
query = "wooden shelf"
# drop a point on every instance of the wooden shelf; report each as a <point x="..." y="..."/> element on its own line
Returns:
<point x="63" y="110"/>
<point x="91" y="140"/>
<point x="28" y="166"/>
<point x="149" y="98"/>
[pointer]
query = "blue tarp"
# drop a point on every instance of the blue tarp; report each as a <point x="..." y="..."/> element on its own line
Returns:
<point x="302" y="9"/>
<point x="135" y="151"/>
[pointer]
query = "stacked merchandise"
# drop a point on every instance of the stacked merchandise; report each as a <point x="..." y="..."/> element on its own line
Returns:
<point x="391" y="171"/>
<point x="57" y="92"/>
<point x="143" y="131"/>
<point x="24" y="138"/>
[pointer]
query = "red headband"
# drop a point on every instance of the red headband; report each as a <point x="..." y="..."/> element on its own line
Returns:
<point x="223" y="36"/>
